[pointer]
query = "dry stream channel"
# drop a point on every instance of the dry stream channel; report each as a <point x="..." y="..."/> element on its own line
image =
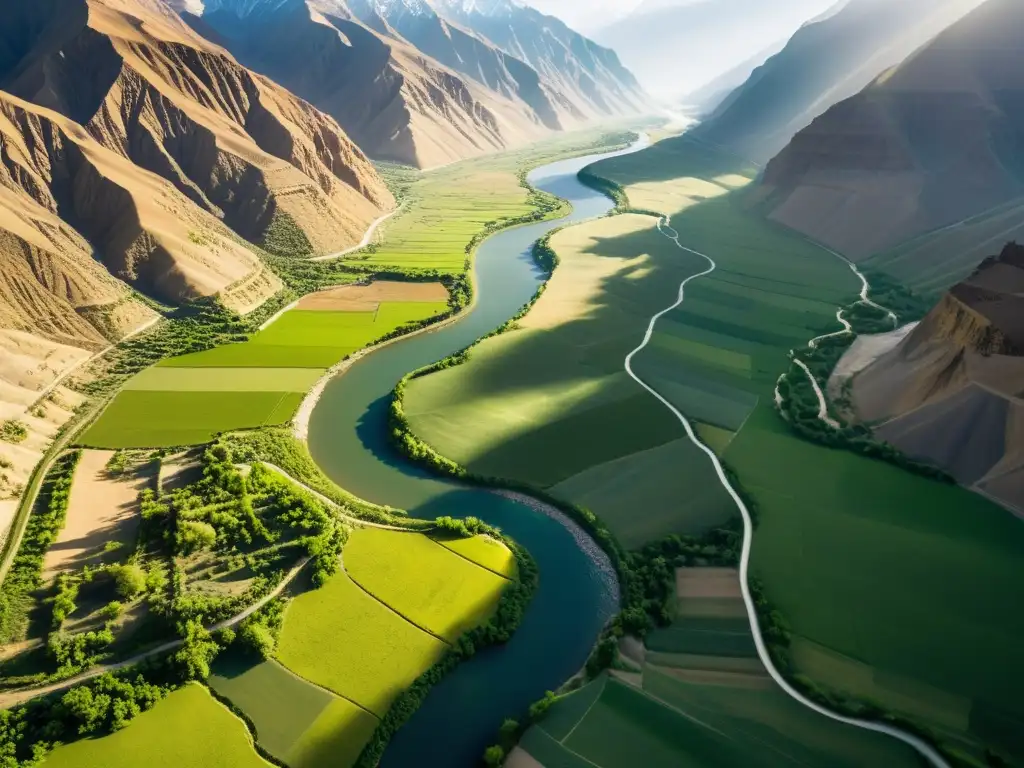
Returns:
<point x="578" y="590"/>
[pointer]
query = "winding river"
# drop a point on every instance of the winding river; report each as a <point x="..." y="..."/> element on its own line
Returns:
<point x="578" y="592"/>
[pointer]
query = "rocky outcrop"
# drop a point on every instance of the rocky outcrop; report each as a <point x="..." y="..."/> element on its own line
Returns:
<point x="238" y="146"/>
<point x="950" y="392"/>
<point x="930" y="143"/>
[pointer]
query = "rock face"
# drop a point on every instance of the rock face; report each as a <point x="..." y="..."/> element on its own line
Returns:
<point x="934" y="141"/>
<point x="826" y="61"/>
<point x="588" y="78"/>
<point x="951" y="391"/>
<point x="148" y="88"/>
<point x="409" y="82"/>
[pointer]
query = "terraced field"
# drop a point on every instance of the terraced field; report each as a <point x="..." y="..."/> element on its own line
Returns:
<point x="260" y="382"/>
<point x="187" y="729"/>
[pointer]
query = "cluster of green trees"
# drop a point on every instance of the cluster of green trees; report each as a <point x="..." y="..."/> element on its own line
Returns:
<point x="498" y="629"/>
<point x="44" y="523"/>
<point x="259" y="633"/>
<point x="890" y="292"/>
<point x="283" y="237"/>
<point x="868" y="319"/>
<point x="800" y="409"/>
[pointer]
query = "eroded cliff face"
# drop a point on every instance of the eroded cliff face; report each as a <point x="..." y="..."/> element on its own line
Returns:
<point x="238" y="146"/>
<point x="950" y="392"/>
<point x="930" y="143"/>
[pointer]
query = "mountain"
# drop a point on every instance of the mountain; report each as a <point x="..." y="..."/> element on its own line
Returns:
<point x="825" y="62"/>
<point x="950" y="392"/>
<point x="934" y="141"/>
<point x="409" y="82"/>
<point x="677" y="46"/>
<point x="706" y="99"/>
<point x="588" y="75"/>
<point x="145" y="86"/>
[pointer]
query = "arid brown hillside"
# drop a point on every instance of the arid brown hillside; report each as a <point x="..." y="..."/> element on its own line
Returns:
<point x="934" y="141"/>
<point x="951" y="391"/>
<point x="408" y="84"/>
<point x="147" y="87"/>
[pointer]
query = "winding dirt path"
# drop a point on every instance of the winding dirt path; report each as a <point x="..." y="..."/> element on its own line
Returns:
<point x="925" y="749"/>
<point x="362" y="243"/>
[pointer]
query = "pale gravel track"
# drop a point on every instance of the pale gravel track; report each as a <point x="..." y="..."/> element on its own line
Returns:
<point x="362" y="243"/>
<point x="922" y="747"/>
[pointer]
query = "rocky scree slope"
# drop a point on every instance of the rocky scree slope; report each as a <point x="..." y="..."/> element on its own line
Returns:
<point x="951" y="392"/>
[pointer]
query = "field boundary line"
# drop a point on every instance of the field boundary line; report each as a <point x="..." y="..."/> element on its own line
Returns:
<point x="923" y="748"/>
<point x="604" y="683"/>
<point x="324" y="688"/>
<point x="393" y="610"/>
<point x="472" y="562"/>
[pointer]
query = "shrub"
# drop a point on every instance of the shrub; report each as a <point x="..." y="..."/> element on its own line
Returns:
<point x="194" y="535"/>
<point x="130" y="580"/>
<point x="13" y="431"/>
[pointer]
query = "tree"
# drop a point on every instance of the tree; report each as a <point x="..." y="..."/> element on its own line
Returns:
<point x="197" y="652"/>
<point x="194" y="535"/>
<point x="130" y="580"/>
<point x="259" y="638"/>
<point x="494" y="756"/>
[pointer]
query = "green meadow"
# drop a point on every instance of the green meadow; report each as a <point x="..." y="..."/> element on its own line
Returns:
<point x="189" y="729"/>
<point x="297" y="722"/>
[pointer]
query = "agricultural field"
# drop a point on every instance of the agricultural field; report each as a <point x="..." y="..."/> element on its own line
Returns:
<point x="297" y="722"/>
<point x="486" y="552"/>
<point x="701" y="698"/>
<point x="188" y="728"/>
<point x="550" y="404"/>
<point x="326" y="629"/>
<point x="188" y="400"/>
<point x="422" y="581"/>
<point x="399" y="603"/>
<point x="445" y="209"/>
<point x="885" y="577"/>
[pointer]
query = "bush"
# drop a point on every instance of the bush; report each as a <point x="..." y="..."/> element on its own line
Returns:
<point x="494" y="756"/>
<point x="129" y="580"/>
<point x="13" y="431"/>
<point x="195" y="535"/>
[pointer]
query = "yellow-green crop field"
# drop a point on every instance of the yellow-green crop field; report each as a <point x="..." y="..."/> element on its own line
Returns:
<point x="423" y="581"/>
<point x="486" y="552"/>
<point x="190" y="399"/>
<point x="446" y="208"/>
<point x="188" y="729"/>
<point x="343" y="639"/>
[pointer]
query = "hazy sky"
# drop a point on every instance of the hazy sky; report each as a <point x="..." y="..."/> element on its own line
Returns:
<point x="585" y="15"/>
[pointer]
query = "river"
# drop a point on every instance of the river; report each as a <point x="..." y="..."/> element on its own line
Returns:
<point x="577" y="594"/>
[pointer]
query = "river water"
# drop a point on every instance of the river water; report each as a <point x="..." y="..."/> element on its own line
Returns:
<point x="348" y="436"/>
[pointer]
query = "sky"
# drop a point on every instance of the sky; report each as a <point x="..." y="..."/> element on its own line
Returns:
<point x="585" y="15"/>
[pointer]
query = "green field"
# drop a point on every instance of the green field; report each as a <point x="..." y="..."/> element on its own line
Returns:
<point x="446" y="208"/>
<point x="423" y="581"/>
<point x="311" y="339"/>
<point x="903" y="585"/>
<point x="674" y="723"/>
<point x="486" y="552"/>
<point x="295" y="721"/>
<point x="143" y="419"/>
<point x="549" y="403"/>
<point x="160" y="379"/>
<point x="189" y="728"/>
<point x="343" y="639"/>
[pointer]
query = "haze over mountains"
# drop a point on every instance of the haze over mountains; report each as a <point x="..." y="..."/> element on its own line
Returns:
<point x="678" y="46"/>
<point x="935" y="140"/>
<point x="426" y="84"/>
<point x="826" y="61"/>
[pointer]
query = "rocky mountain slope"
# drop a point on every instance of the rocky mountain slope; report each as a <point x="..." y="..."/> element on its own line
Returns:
<point x="410" y="82"/>
<point x="589" y="78"/>
<point x="677" y="46"/>
<point x="148" y="88"/>
<point x="950" y="393"/>
<point x="825" y="62"/>
<point x="936" y="140"/>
